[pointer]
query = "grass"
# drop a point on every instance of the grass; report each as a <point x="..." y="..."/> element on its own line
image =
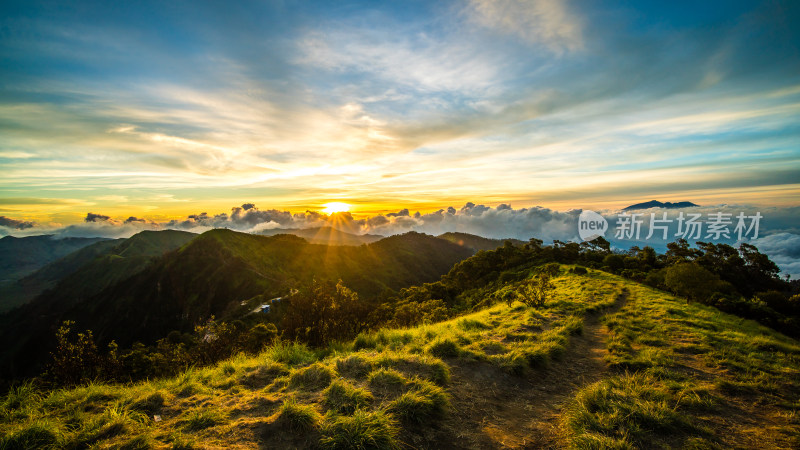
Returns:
<point x="678" y="372"/>
<point x="363" y="430"/>
<point x="312" y="378"/>
<point x="200" y="419"/>
<point x="299" y="417"/>
<point x="345" y="398"/>
<point x="424" y="402"/>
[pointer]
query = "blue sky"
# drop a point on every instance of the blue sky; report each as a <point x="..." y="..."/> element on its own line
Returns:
<point x="161" y="109"/>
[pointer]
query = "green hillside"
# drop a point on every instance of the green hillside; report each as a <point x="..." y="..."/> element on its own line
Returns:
<point x="71" y="280"/>
<point x="21" y="256"/>
<point x="127" y="297"/>
<point x="605" y="363"/>
<point x="101" y="263"/>
<point x="476" y="243"/>
<point x="220" y="269"/>
<point x="325" y="235"/>
<point x="21" y="291"/>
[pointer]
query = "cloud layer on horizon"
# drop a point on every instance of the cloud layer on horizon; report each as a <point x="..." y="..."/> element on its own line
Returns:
<point x="779" y="235"/>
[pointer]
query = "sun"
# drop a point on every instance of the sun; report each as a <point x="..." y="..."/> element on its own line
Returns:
<point x="334" y="207"/>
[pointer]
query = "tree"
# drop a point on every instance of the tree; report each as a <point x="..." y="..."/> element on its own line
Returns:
<point x="74" y="361"/>
<point x="324" y="312"/>
<point x="694" y="281"/>
<point x="615" y="262"/>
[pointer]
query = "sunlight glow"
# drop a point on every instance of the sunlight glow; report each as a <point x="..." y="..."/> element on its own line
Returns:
<point x="334" y="207"/>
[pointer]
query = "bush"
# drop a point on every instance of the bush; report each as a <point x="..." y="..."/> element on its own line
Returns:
<point x="536" y="291"/>
<point x="579" y="270"/>
<point x="693" y="281"/>
<point x="615" y="263"/>
<point x="550" y="269"/>
<point x="259" y="336"/>
<point x="325" y="312"/>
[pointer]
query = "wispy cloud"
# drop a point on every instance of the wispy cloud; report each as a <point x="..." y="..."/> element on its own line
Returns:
<point x="548" y="23"/>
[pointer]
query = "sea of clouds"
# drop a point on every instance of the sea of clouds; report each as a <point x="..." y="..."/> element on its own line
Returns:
<point x="778" y="231"/>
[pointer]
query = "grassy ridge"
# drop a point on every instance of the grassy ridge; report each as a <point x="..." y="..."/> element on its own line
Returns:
<point x="688" y="375"/>
<point x="678" y="372"/>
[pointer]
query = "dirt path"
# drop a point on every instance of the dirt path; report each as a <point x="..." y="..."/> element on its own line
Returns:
<point x="494" y="409"/>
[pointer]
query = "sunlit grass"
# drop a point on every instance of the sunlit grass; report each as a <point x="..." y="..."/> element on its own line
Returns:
<point x="368" y="391"/>
<point x="659" y="394"/>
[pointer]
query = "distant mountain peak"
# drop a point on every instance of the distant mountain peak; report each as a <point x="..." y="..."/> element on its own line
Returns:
<point x="658" y="204"/>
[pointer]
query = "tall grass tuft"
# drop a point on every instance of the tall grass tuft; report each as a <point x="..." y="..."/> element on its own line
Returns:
<point x="39" y="434"/>
<point x="362" y="430"/>
<point x="298" y="417"/>
<point x="345" y="398"/>
<point x="312" y="378"/>
<point x="200" y="419"/>
<point x="425" y="401"/>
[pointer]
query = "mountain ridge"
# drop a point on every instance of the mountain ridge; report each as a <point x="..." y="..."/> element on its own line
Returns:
<point x="658" y="204"/>
<point x="213" y="274"/>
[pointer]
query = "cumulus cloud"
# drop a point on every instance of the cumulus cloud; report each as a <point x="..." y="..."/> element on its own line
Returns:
<point x="15" y="224"/>
<point x="132" y="219"/>
<point x="784" y="250"/>
<point x="92" y="217"/>
<point x="401" y="213"/>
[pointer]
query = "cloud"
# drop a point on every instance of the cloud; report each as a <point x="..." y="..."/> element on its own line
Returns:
<point x="548" y="23"/>
<point x="778" y="236"/>
<point x="401" y="213"/>
<point x="784" y="250"/>
<point x="15" y="224"/>
<point x="91" y="217"/>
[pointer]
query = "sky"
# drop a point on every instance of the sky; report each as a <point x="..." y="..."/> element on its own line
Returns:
<point x="159" y="111"/>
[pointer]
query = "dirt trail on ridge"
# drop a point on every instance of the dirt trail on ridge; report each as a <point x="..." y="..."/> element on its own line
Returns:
<point x="491" y="408"/>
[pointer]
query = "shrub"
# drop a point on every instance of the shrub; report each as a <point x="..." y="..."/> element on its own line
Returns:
<point x="550" y="269"/>
<point x="325" y="312"/>
<point x="259" y="336"/>
<point x="536" y="291"/>
<point x="579" y="270"/>
<point x="614" y="262"/>
<point x="693" y="281"/>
